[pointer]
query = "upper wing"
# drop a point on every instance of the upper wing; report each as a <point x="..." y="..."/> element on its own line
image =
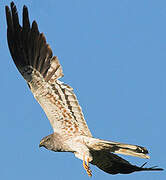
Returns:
<point x="33" y="58"/>
<point x="114" y="164"/>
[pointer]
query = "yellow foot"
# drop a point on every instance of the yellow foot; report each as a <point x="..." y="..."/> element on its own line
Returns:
<point x="86" y="166"/>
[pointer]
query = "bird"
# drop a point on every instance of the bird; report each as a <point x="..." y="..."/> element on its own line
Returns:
<point x="41" y="70"/>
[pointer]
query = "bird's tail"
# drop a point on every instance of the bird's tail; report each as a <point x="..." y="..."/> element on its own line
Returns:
<point x="120" y="148"/>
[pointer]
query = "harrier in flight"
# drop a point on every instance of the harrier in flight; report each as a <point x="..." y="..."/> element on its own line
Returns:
<point x="34" y="60"/>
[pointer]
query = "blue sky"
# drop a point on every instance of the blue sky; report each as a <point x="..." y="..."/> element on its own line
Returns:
<point x="113" y="54"/>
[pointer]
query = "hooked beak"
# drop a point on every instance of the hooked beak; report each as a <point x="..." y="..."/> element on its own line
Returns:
<point x="41" y="143"/>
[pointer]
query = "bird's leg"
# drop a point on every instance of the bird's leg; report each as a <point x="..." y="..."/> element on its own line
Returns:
<point x="86" y="166"/>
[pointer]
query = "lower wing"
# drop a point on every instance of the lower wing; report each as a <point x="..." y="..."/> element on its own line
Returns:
<point x="113" y="164"/>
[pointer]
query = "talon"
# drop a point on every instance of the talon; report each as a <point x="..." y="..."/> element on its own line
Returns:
<point x="86" y="166"/>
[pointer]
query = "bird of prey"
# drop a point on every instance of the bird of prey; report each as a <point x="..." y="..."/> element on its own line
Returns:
<point x="34" y="60"/>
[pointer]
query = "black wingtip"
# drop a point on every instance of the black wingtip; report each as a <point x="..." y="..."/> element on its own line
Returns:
<point x="15" y="17"/>
<point x="13" y="7"/>
<point x="26" y="23"/>
<point x="8" y="13"/>
<point x="35" y="27"/>
<point x="25" y="7"/>
<point x="28" y="47"/>
<point x="12" y="4"/>
<point x="154" y="168"/>
<point x="8" y="16"/>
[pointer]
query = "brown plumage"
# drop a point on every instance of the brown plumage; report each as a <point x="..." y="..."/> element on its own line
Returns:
<point x="34" y="59"/>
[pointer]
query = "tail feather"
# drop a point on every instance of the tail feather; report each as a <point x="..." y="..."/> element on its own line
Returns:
<point x="120" y="148"/>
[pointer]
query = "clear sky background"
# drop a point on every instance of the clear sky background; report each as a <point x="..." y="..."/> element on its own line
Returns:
<point x="113" y="54"/>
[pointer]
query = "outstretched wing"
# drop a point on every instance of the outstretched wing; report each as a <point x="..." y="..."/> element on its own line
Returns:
<point x="33" y="58"/>
<point x="113" y="164"/>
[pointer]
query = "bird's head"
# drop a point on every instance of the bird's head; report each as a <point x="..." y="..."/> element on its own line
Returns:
<point x="47" y="142"/>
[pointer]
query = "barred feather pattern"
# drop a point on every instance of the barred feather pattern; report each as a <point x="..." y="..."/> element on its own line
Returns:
<point x="33" y="58"/>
